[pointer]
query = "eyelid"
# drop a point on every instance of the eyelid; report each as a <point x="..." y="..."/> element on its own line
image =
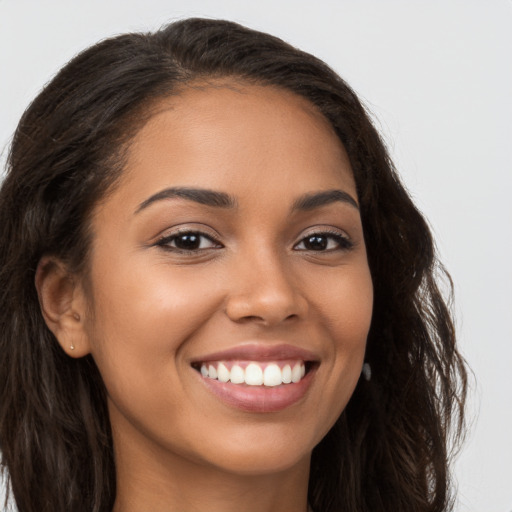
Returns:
<point x="164" y="240"/>
<point x="332" y="232"/>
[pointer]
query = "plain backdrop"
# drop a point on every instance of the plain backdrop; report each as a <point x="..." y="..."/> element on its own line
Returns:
<point x="437" y="76"/>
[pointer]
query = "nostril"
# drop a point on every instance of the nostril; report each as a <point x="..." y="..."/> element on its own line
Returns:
<point x="251" y="318"/>
<point x="264" y="320"/>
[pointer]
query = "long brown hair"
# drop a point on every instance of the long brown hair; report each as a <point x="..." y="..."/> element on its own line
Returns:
<point x="389" y="450"/>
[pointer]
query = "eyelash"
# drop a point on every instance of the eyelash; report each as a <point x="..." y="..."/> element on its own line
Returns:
<point x="342" y="241"/>
<point x="166" y="241"/>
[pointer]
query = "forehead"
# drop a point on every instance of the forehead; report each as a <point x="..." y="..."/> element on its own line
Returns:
<point x="236" y="136"/>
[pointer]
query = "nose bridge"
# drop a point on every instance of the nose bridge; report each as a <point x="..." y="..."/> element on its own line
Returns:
<point x="264" y="288"/>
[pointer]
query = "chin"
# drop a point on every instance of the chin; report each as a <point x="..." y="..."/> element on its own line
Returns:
<point x="256" y="463"/>
<point x="265" y="452"/>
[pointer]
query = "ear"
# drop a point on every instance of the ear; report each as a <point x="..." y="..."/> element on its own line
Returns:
<point x="63" y="305"/>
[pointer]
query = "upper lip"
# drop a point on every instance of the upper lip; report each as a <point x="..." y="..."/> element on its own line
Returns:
<point x="259" y="352"/>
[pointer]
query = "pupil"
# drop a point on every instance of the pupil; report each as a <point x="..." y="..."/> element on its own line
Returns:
<point x="189" y="242"/>
<point x="316" y="243"/>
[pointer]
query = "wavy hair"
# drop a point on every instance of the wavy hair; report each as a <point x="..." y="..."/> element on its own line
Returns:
<point x="391" y="447"/>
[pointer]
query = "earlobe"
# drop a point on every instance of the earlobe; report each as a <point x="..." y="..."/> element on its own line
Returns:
<point x="63" y="305"/>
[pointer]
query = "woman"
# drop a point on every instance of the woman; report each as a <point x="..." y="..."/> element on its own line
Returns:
<point x="216" y="294"/>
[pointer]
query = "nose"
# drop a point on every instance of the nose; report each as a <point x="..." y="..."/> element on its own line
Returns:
<point x="265" y="291"/>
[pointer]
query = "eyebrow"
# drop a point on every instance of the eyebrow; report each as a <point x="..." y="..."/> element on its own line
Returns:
<point x="222" y="200"/>
<point x="317" y="199"/>
<point x="198" y="195"/>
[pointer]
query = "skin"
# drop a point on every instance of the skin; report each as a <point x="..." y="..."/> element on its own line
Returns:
<point x="152" y="309"/>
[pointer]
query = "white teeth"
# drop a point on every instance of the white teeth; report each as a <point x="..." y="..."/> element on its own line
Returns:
<point x="272" y="376"/>
<point x="212" y="372"/>
<point x="254" y="375"/>
<point x="287" y="374"/>
<point x="223" y="373"/>
<point x="237" y="375"/>
<point x="296" y="373"/>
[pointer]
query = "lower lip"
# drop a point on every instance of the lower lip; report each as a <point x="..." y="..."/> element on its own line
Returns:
<point x="259" y="398"/>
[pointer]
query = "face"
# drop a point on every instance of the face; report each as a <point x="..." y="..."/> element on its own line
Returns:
<point x="229" y="283"/>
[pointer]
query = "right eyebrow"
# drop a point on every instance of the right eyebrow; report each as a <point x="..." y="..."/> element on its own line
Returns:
<point x="323" y="198"/>
<point x="198" y="195"/>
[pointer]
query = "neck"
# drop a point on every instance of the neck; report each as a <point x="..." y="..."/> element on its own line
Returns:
<point x="151" y="479"/>
<point x="189" y="489"/>
<point x="215" y="493"/>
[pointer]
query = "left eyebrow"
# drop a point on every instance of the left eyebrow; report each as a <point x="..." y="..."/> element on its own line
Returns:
<point x="316" y="199"/>
<point x="197" y="195"/>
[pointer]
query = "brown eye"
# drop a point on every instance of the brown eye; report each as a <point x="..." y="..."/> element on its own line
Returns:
<point x="189" y="241"/>
<point x="324" y="242"/>
<point x="316" y="243"/>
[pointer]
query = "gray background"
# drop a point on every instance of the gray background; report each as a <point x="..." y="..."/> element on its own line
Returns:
<point x="438" y="77"/>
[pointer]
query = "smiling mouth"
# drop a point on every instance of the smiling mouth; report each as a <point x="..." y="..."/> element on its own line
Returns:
<point x="258" y="378"/>
<point x="255" y="373"/>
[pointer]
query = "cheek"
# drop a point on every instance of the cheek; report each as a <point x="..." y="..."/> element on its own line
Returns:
<point x="155" y="303"/>
<point x="346" y="305"/>
<point x="352" y="321"/>
<point x="345" y="308"/>
<point x="143" y="315"/>
<point x="141" y="321"/>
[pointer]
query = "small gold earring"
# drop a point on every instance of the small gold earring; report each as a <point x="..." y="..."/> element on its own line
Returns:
<point x="72" y="347"/>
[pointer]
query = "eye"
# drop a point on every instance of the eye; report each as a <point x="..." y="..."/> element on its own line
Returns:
<point x="188" y="241"/>
<point x="324" y="242"/>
